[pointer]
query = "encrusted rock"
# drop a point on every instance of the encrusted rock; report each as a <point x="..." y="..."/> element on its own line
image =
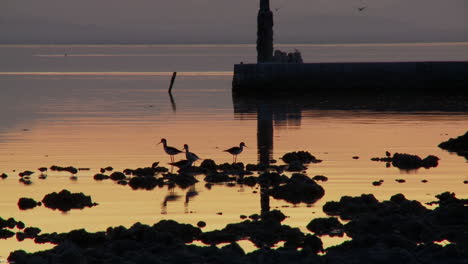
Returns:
<point x="209" y="165"/>
<point x="65" y="200"/>
<point x="117" y="176"/>
<point x="303" y="157"/>
<point x="26" y="203"/>
<point x="326" y="226"/>
<point x="100" y="177"/>
<point x="320" y="178"/>
<point x="299" y="188"/>
<point x="144" y="182"/>
<point x="458" y="145"/>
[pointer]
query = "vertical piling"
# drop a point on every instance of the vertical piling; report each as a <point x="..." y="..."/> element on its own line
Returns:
<point x="172" y="82"/>
<point x="264" y="32"/>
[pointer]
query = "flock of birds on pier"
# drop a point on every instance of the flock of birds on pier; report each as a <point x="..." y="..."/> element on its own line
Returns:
<point x="192" y="157"/>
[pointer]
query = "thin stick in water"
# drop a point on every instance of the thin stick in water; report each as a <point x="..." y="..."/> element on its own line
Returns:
<point x="172" y="81"/>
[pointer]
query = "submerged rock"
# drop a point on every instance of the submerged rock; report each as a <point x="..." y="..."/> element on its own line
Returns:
<point x="29" y="232"/>
<point x="326" y="226"/>
<point x="209" y="165"/>
<point x="9" y="223"/>
<point x="26" y="203"/>
<point x="217" y="177"/>
<point x="394" y="231"/>
<point x="264" y="232"/>
<point x="377" y="183"/>
<point x="299" y="189"/>
<point x="271" y="179"/>
<point x="100" y="177"/>
<point x="320" y="178"/>
<point x="410" y="162"/>
<point x="70" y="169"/>
<point x="144" y="182"/>
<point x="400" y="230"/>
<point x="182" y="180"/>
<point x="118" y="176"/>
<point x="458" y="145"/>
<point x="304" y="157"/>
<point x="296" y="165"/>
<point x="5" y="233"/>
<point x="65" y="201"/>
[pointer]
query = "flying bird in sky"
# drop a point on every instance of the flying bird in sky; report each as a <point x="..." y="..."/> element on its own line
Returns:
<point x="362" y="8"/>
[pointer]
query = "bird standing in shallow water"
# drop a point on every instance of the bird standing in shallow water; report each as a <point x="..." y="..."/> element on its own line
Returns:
<point x="190" y="156"/>
<point x="236" y="151"/>
<point x="171" y="151"/>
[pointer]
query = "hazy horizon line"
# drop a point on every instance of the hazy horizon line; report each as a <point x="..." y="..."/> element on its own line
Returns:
<point x="208" y="44"/>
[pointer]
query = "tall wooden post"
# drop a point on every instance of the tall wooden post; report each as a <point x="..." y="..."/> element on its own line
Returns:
<point x="264" y="32"/>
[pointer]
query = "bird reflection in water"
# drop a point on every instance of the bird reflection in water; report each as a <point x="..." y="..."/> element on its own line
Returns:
<point x="171" y="196"/>
<point x="190" y="194"/>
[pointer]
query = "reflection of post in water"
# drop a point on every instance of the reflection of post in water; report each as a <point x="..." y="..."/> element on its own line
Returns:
<point x="265" y="148"/>
<point x="264" y="199"/>
<point x="281" y="111"/>
<point x="174" y="108"/>
<point x="264" y="133"/>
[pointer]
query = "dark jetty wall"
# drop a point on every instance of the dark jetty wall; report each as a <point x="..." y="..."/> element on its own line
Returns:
<point x="417" y="78"/>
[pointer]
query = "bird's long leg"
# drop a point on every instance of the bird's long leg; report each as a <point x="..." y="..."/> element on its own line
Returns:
<point x="235" y="158"/>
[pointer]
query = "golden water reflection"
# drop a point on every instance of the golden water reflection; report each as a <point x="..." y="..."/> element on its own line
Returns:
<point x="118" y="126"/>
<point x="87" y="142"/>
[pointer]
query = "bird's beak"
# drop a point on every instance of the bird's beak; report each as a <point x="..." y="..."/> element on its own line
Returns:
<point x="159" y="143"/>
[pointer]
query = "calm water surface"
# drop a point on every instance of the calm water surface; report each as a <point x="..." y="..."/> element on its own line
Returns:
<point x="98" y="106"/>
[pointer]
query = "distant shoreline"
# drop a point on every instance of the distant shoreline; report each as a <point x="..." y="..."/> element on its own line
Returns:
<point x="383" y="44"/>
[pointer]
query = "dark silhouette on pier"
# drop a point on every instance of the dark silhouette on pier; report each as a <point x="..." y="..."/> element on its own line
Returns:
<point x="278" y="71"/>
<point x="264" y="32"/>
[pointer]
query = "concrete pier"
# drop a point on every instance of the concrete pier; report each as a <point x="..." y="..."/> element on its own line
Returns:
<point x="432" y="77"/>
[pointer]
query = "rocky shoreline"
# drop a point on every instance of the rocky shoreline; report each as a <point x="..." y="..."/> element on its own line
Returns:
<point x="393" y="231"/>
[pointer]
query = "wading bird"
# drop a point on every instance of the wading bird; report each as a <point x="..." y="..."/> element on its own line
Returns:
<point x="190" y="156"/>
<point x="234" y="151"/>
<point x="171" y="151"/>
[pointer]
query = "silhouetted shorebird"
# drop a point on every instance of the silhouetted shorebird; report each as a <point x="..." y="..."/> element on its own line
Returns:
<point x="362" y="8"/>
<point x="171" y="151"/>
<point x="190" y="155"/>
<point x="234" y="151"/>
